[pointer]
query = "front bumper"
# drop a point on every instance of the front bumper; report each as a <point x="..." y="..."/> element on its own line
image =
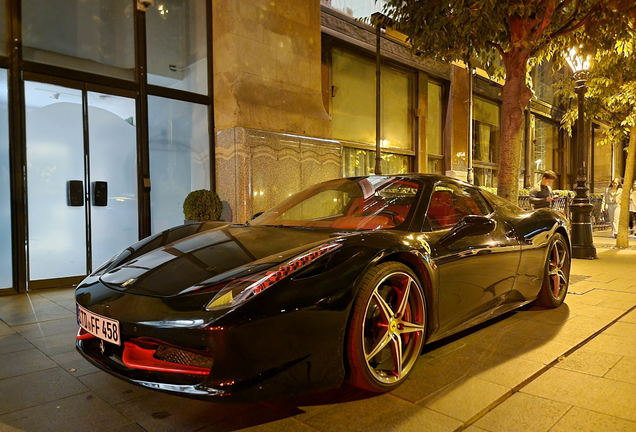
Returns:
<point x="256" y="352"/>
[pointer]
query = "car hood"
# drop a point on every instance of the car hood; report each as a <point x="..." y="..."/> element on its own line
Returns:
<point x="209" y="258"/>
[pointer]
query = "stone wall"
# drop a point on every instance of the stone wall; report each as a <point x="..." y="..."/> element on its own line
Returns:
<point x="267" y="71"/>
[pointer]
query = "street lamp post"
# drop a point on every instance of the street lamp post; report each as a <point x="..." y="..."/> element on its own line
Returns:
<point x="581" y="208"/>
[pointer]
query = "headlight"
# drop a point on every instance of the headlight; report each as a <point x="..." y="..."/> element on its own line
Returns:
<point x="244" y="289"/>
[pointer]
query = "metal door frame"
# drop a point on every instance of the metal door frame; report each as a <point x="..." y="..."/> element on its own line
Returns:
<point x="84" y="88"/>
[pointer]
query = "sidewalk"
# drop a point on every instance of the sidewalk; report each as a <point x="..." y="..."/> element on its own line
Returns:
<point x="566" y="369"/>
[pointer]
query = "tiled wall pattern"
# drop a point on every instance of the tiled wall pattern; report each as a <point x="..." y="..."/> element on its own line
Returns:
<point x="257" y="169"/>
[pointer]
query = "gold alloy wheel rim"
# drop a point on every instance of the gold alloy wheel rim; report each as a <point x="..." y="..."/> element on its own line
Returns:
<point x="393" y="323"/>
<point x="558" y="270"/>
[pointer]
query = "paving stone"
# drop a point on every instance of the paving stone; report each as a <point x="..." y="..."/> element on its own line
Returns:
<point x="37" y="388"/>
<point x="523" y="413"/>
<point x="582" y="420"/>
<point x="474" y="428"/>
<point x="510" y="373"/>
<point x="543" y="351"/>
<point x="48" y="328"/>
<point x="113" y="390"/>
<point x="466" y="398"/>
<point x="23" y="362"/>
<point x="130" y="427"/>
<point x="12" y="343"/>
<point x="598" y="312"/>
<point x="622" y="329"/>
<point x="619" y="304"/>
<point x="589" y="362"/>
<point x="586" y="391"/>
<point x="83" y="412"/>
<point x="56" y="344"/>
<point x="624" y="370"/>
<point x="556" y="316"/>
<point x="74" y="363"/>
<point x="426" y="378"/>
<point x="58" y="294"/>
<point x="163" y="412"/>
<point x="384" y="412"/>
<point x="306" y="406"/>
<point x="22" y="302"/>
<point x="259" y="418"/>
<point x="630" y="317"/>
<point x="5" y="330"/>
<point x="612" y="345"/>
<point x="31" y="316"/>
<point x="68" y="305"/>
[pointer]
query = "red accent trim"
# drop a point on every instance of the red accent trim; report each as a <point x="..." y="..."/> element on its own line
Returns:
<point x="83" y="335"/>
<point x="136" y="357"/>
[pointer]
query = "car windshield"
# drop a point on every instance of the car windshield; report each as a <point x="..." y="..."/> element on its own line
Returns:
<point x="370" y="203"/>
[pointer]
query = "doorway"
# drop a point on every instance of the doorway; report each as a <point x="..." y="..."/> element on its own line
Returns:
<point x="82" y="179"/>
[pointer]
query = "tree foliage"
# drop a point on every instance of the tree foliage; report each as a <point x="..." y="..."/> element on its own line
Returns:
<point x="611" y="98"/>
<point x="516" y="31"/>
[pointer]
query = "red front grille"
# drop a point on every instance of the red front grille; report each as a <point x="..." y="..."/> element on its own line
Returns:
<point x="162" y="358"/>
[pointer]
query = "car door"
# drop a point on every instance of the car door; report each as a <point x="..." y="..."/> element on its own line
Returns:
<point x="476" y="269"/>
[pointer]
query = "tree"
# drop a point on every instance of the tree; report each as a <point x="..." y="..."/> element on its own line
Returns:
<point x="611" y="97"/>
<point x="516" y="30"/>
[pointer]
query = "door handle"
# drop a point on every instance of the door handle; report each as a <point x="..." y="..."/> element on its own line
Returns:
<point x="100" y="193"/>
<point x="75" y="193"/>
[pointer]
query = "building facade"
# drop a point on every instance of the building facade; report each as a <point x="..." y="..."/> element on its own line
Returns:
<point x="111" y="113"/>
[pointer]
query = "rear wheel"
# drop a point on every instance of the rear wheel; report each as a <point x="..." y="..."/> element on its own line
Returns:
<point x="557" y="274"/>
<point x="387" y="328"/>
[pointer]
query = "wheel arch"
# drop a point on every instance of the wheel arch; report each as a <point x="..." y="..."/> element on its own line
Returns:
<point x="564" y="232"/>
<point x="423" y="273"/>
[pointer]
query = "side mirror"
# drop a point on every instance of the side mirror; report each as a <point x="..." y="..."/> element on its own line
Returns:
<point x="257" y="215"/>
<point x="469" y="226"/>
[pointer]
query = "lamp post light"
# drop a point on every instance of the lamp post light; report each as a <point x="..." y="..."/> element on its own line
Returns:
<point x="581" y="207"/>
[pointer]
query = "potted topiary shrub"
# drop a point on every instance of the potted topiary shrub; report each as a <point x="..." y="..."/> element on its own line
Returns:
<point x="202" y="205"/>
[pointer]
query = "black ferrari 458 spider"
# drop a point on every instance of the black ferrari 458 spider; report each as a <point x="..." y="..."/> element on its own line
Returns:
<point x="346" y="280"/>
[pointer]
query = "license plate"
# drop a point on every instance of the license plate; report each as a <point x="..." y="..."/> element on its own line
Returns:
<point x="99" y="326"/>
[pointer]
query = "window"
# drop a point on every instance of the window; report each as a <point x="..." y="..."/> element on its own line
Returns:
<point x="90" y="36"/>
<point x="176" y="37"/>
<point x="486" y="135"/>
<point x="546" y="144"/>
<point x="358" y="8"/>
<point x="354" y="117"/>
<point x="450" y="203"/>
<point x="543" y="80"/>
<point x="359" y="162"/>
<point x="434" y="129"/>
<point x="354" y="102"/>
<point x="179" y="157"/>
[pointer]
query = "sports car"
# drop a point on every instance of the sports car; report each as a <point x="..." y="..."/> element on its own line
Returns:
<point x="344" y="281"/>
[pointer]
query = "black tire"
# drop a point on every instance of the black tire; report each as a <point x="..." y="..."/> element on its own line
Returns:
<point x="556" y="277"/>
<point x="377" y="335"/>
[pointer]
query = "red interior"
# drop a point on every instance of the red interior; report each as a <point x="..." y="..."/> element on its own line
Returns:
<point x="363" y="222"/>
<point x="441" y="211"/>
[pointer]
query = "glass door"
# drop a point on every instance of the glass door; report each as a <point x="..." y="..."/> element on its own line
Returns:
<point x="56" y="181"/>
<point x="112" y="138"/>
<point x="82" y="180"/>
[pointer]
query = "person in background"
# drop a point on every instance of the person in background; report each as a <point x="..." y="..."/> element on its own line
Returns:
<point x="632" y="208"/>
<point x="541" y="193"/>
<point x="611" y="204"/>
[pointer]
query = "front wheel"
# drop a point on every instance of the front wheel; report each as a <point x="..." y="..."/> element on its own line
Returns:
<point x="387" y="328"/>
<point x="556" y="278"/>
